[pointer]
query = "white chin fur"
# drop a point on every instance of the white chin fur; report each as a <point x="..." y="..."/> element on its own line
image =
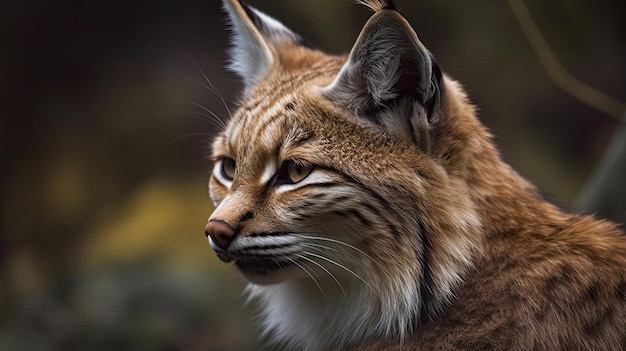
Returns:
<point x="316" y="316"/>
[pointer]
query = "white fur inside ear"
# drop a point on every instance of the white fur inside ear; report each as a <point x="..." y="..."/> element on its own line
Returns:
<point x="274" y="29"/>
<point x="254" y="35"/>
<point x="250" y="55"/>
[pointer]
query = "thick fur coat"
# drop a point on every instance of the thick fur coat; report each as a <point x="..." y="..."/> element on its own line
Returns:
<point x="370" y="210"/>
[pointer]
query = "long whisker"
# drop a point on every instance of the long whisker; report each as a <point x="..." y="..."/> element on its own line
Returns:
<point x="188" y="136"/>
<point x="308" y="273"/>
<point x="208" y="118"/>
<point x="325" y="270"/>
<point x="222" y="124"/>
<point x="318" y="247"/>
<point x="210" y="85"/>
<point x="340" y="266"/>
<point x="336" y="242"/>
<point x="210" y="88"/>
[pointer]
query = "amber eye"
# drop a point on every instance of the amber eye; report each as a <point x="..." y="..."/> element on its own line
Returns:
<point x="296" y="172"/>
<point x="227" y="168"/>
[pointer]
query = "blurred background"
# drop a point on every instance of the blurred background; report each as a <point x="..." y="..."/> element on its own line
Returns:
<point x="104" y="158"/>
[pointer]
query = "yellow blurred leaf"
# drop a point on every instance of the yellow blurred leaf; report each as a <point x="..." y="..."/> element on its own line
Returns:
<point x="162" y="221"/>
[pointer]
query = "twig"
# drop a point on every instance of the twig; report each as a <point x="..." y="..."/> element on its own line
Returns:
<point x="557" y="72"/>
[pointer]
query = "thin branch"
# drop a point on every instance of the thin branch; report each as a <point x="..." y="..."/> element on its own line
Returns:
<point x="563" y="79"/>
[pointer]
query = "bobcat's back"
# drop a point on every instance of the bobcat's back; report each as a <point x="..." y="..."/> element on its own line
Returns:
<point x="369" y="208"/>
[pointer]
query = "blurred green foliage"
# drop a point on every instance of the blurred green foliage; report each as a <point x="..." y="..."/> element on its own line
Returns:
<point x="104" y="193"/>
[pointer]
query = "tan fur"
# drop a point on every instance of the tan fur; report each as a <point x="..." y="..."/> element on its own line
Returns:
<point x="452" y="248"/>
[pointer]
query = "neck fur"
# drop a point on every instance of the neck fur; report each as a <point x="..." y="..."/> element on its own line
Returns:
<point x="310" y="317"/>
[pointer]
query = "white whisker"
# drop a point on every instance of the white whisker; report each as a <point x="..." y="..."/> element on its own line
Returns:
<point x="307" y="272"/>
<point x="221" y="122"/>
<point x="207" y="118"/>
<point x="188" y="136"/>
<point x="336" y="242"/>
<point x="210" y="86"/>
<point x="325" y="270"/>
<point x="341" y="266"/>
<point x="318" y="247"/>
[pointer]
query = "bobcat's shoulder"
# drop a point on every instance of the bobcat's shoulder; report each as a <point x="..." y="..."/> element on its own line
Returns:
<point x="369" y="208"/>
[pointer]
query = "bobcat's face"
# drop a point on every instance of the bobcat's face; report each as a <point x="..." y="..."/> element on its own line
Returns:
<point x="303" y="191"/>
<point x="269" y="186"/>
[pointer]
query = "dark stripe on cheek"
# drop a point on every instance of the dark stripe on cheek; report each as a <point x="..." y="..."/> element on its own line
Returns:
<point x="378" y="198"/>
<point x="353" y="213"/>
<point x="261" y="234"/>
<point x="362" y="219"/>
<point x="248" y="215"/>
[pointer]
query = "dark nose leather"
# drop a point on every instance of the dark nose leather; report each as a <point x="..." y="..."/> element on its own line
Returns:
<point x="220" y="232"/>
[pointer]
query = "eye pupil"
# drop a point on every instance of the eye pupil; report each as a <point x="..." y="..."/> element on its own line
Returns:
<point x="296" y="172"/>
<point x="228" y="168"/>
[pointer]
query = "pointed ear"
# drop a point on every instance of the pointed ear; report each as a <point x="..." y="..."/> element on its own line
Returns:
<point x="254" y="38"/>
<point x="390" y="78"/>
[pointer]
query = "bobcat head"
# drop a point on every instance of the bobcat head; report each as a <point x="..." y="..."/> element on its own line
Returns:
<point x="342" y="183"/>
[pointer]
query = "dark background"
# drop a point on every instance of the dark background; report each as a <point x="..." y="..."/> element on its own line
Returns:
<point x="104" y="160"/>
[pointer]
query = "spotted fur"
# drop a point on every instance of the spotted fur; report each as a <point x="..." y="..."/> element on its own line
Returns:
<point x="370" y="210"/>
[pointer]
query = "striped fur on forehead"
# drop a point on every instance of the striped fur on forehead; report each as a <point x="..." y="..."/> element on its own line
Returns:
<point x="281" y="93"/>
<point x="272" y="130"/>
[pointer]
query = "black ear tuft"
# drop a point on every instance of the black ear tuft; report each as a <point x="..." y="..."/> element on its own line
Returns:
<point x="377" y="5"/>
<point x="391" y="5"/>
<point x="252" y="15"/>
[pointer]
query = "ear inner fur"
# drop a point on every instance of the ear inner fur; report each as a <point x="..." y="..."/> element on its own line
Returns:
<point x="255" y="37"/>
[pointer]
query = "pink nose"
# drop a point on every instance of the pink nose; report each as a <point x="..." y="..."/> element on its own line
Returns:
<point x="220" y="232"/>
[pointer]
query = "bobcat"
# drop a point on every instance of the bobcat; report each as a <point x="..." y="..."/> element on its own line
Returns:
<point x="370" y="210"/>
